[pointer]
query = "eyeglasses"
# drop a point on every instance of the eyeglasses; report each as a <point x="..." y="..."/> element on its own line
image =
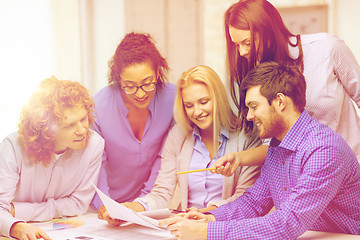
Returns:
<point x="147" y="87"/>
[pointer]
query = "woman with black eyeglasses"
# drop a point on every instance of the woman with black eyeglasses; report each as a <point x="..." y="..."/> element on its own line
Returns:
<point x="133" y="115"/>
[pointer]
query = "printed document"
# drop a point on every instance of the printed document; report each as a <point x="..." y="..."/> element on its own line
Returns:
<point x="119" y="211"/>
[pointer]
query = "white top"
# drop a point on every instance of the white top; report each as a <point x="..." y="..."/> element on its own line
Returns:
<point x="333" y="79"/>
<point x="39" y="193"/>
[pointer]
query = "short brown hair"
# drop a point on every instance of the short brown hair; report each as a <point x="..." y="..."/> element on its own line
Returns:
<point x="274" y="78"/>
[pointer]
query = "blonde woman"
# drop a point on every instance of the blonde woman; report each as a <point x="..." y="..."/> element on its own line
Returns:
<point x="206" y="128"/>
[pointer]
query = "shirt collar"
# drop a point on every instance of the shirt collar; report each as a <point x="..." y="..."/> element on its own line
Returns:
<point x="293" y="138"/>
<point x="224" y="134"/>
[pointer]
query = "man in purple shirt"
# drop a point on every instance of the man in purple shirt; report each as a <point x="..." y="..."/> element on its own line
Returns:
<point x="310" y="175"/>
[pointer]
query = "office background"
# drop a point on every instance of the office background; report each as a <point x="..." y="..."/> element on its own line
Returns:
<point x="74" y="39"/>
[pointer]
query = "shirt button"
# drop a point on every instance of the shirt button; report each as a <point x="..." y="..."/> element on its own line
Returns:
<point x="284" y="188"/>
<point x="283" y="162"/>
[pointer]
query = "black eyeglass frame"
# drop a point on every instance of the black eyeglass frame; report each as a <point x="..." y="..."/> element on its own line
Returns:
<point x="137" y="88"/>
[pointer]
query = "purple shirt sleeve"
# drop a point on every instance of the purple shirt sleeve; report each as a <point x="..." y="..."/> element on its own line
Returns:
<point x="312" y="177"/>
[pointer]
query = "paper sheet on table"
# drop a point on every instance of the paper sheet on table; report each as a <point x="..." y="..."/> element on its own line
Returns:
<point x="117" y="210"/>
<point x="96" y="229"/>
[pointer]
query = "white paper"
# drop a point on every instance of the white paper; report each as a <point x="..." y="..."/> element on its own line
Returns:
<point x="158" y="214"/>
<point x="119" y="211"/>
<point x="86" y="237"/>
<point x="96" y="229"/>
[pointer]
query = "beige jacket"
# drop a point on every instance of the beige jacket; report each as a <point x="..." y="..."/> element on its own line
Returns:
<point x="176" y="157"/>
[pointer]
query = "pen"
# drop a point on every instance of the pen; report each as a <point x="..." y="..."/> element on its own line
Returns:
<point x="198" y="170"/>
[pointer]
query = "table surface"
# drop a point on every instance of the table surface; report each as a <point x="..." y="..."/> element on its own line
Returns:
<point x="96" y="229"/>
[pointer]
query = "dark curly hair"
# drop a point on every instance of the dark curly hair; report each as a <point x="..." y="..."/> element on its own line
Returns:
<point x="137" y="48"/>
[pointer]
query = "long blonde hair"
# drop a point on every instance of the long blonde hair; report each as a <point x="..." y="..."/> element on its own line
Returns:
<point x="223" y="116"/>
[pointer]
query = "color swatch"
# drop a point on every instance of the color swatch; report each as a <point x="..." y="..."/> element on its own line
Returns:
<point x="66" y="224"/>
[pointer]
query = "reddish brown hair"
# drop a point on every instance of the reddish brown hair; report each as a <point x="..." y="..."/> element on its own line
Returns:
<point x="261" y="18"/>
<point x="44" y="111"/>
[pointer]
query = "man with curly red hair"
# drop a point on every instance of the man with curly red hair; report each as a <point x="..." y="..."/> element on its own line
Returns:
<point x="48" y="167"/>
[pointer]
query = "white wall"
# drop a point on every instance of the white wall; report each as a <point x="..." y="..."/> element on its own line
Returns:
<point x="66" y="42"/>
<point x="176" y="27"/>
<point x="86" y="34"/>
<point x="109" y="29"/>
<point x="25" y="55"/>
<point x="70" y="39"/>
<point x="75" y="39"/>
<point x="346" y="23"/>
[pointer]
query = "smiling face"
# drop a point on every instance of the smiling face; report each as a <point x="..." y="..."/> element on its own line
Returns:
<point x="137" y="75"/>
<point x="198" y="106"/>
<point x="265" y="117"/>
<point x="73" y="130"/>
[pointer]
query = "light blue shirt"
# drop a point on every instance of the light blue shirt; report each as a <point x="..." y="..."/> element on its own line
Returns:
<point x="205" y="186"/>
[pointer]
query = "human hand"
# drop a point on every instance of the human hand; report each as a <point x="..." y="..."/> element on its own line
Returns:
<point x="207" y="209"/>
<point x="227" y="164"/>
<point x="184" y="228"/>
<point x="12" y="211"/>
<point x="196" y="215"/>
<point x="26" y="231"/>
<point x="135" y="206"/>
<point x="192" y="209"/>
<point x="201" y="210"/>
<point x="104" y="215"/>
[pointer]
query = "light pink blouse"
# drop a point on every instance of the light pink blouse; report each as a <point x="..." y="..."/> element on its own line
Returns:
<point x="333" y="80"/>
<point x="64" y="188"/>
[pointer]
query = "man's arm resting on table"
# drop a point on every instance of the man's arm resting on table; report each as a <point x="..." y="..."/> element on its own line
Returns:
<point x="26" y="231"/>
